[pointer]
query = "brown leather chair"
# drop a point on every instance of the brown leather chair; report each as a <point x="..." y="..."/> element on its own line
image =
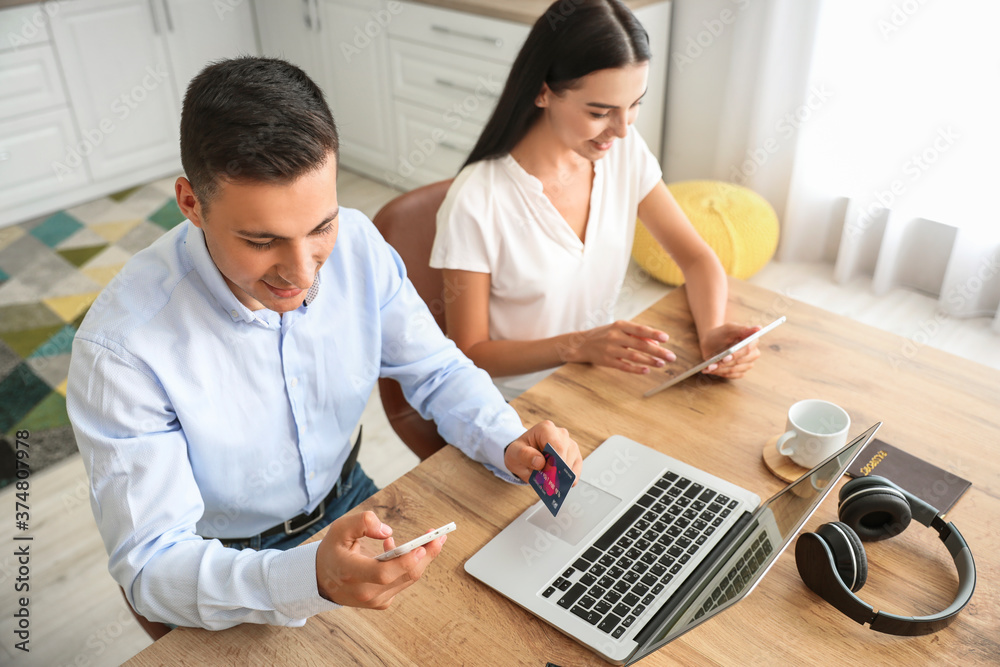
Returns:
<point x="408" y="224"/>
<point x="154" y="630"/>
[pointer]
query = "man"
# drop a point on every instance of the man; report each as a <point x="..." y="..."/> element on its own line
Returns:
<point x="216" y="381"/>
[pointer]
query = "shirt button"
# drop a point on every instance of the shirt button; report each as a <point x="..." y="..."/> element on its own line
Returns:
<point x="312" y="475"/>
<point x="294" y="382"/>
<point x="234" y="314"/>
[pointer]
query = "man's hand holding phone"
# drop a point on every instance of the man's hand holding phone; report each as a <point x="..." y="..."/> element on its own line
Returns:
<point x="350" y="578"/>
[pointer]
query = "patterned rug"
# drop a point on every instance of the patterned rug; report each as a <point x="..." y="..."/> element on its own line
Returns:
<point x="51" y="270"/>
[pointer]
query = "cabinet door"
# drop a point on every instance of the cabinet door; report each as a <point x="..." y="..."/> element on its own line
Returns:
<point x="39" y="157"/>
<point x="290" y="30"/>
<point x="354" y="46"/>
<point x="200" y="32"/>
<point x="115" y="61"/>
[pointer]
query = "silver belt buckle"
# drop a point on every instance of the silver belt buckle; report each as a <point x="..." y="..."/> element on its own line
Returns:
<point x="292" y="531"/>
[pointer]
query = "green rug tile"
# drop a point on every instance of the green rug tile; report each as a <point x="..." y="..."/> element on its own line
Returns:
<point x="60" y="343"/>
<point x="49" y="413"/>
<point x="3" y="276"/>
<point x="8" y="472"/>
<point x="56" y="228"/>
<point x="27" y="341"/>
<point x="124" y="194"/>
<point x="169" y="215"/>
<point x="20" y="392"/>
<point x="21" y="316"/>
<point x="78" y="256"/>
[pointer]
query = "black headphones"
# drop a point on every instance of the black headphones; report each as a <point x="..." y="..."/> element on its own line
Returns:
<point x="832" y="561"/>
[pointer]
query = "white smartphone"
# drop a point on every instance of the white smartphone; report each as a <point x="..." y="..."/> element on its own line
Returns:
<point x="413" y="544"/>
<point x="716" y="359"/>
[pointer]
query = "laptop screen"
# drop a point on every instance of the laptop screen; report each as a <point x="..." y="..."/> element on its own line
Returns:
<point x="744" y="562"/>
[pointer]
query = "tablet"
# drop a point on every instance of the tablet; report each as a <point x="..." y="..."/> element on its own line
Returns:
<point x="716" y="359"/>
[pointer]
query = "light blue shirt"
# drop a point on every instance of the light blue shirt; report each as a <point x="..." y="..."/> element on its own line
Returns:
<point x="198" y="416"/>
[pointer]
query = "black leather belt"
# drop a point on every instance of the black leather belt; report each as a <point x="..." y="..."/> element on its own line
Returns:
<point x="299" y="523"/>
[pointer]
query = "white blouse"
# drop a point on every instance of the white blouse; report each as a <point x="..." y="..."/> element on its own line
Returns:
<point x="544" y="281"/>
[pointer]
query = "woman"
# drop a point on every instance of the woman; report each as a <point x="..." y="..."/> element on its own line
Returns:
<point x="535" y="234"/>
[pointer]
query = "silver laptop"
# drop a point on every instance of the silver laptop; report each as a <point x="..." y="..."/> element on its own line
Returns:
<point x="646" y="547"/>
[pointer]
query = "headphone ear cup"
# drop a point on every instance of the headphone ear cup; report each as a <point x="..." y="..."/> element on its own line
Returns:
<point x="876" y="513"/>
<point x="848" y="554"/>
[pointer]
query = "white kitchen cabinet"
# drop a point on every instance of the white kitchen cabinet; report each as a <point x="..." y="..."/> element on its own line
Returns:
<point x="448" y="70"/>
<point x="412" y="85"/>
<point x="94" y="87"/>
<point x="342" y="46"/>
<point x="29" y="147"/>
<point x="30" y="81"/>
<point x="128" y="64"/>
<point x="36" y="127"/>
<point x="429" y="149"/>
<point x="289" y="29"/>
<point x="200" y="32"/>
<point x="354" y="49"/>
<point x="120" y="84"/>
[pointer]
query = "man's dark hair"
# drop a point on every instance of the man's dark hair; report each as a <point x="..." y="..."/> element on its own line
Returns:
<point x="253" y="119"/>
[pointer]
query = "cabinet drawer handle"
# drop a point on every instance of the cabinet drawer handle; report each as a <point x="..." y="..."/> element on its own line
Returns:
<point x="495" y="41"/>
<point x="445" y="144"/>
<point x="466" y="89"/>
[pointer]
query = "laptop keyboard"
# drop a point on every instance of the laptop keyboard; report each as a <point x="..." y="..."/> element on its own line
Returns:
<point x="614" y="580"/>
<point x="738" y="575"/>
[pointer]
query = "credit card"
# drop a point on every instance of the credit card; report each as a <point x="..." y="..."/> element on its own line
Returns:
<point x="553" y="482"/>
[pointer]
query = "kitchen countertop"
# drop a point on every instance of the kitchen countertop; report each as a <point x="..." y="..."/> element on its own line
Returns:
<point x="4" y="4"/>
<point x="520" y="11"/>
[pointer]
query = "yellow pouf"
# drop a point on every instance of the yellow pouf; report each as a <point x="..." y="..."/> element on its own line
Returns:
<point x="739" y="225"/>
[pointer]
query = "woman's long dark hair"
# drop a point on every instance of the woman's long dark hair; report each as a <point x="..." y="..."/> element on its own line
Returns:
<point x="570" y="40"/>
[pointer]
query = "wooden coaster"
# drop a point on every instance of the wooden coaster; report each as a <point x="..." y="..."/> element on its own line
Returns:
<point x="780" y="465"/>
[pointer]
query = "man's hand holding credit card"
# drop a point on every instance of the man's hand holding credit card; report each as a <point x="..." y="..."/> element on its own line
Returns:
<point x="540" y="447"/>
<point x="553" y="482"/>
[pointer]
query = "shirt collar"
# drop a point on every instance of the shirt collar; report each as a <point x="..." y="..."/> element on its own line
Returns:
<point x="212" y="277"/>
<point x="216" y="283"/>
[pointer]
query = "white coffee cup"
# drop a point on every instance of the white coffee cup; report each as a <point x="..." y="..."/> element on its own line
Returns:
<point x="816" y="430"/>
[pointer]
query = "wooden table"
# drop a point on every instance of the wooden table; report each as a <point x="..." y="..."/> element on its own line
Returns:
<point x="934" y="405"/>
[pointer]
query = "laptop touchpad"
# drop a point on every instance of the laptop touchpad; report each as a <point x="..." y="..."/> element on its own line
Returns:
<point x="585" y="507"/>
